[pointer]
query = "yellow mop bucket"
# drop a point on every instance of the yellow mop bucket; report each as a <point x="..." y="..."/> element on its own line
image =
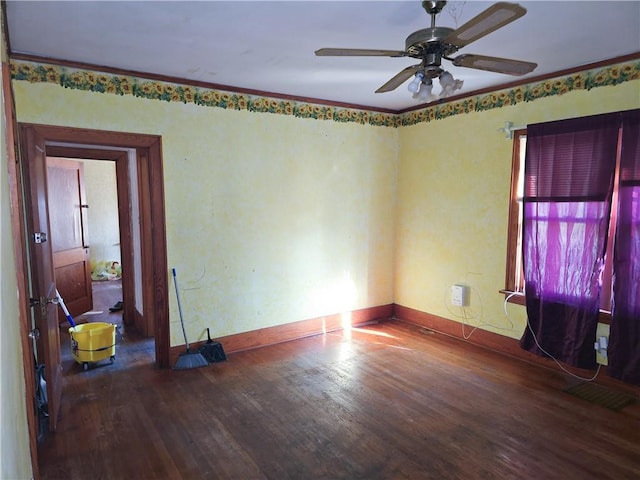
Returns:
<point x="92" y="342"/>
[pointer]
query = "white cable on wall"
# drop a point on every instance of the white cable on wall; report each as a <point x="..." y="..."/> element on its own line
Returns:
<point x="465" y="317"/>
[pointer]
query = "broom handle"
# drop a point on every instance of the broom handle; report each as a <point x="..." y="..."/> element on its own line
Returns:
<point x="175" y="281"/>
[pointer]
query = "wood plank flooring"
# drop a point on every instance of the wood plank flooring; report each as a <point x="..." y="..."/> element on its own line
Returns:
<point x="105" y="295"/>
<point x="386" y="401"/>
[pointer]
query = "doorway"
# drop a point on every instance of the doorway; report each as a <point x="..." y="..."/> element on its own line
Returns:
<point x="84" y="204"/>
<point x="142" y="227"/>
<point x="103" y="237"/>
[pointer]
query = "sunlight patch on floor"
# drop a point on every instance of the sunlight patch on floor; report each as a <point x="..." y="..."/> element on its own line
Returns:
<point x="374" y="332"/>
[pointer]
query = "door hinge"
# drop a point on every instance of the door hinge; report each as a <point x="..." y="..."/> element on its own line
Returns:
<point x="39" y="237"/>
<point x="34" y="334"/>
<point x="42" y="301"/>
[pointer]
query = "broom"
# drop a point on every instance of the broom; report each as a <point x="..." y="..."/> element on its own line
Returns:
<point x="187" y="359"/>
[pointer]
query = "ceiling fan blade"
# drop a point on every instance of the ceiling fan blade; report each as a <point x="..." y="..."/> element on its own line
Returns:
<point x="494" y="64"/>
<point x="494" y="17"/>
<point x="358" y="52"/>
<point x="399" y="79"/>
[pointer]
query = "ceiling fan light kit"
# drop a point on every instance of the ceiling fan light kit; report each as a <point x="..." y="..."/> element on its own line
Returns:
<point x="422" y="87"/>
<point x="431" y="45"/>
<point x="449" y="84"/>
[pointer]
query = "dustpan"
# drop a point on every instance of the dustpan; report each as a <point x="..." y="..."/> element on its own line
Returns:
<point x="212" y="350"/>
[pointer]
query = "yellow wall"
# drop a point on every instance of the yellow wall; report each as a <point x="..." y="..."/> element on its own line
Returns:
<point x="273" y="218"/>
<point x="270" y="218"/>
<point x="102" y="216"/>
<point x="453" y="200"/>
<point x="15" y="460"/>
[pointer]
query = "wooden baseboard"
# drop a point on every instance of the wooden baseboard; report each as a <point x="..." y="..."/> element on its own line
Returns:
<point x="499" y="343"/>
<point x="293" y="331"/>
<point x="316" y="326"/>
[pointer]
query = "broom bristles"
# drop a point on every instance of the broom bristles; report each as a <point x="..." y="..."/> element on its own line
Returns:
<point x="190" y="359"/>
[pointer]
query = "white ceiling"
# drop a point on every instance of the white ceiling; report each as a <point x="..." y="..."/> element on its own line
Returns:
<point x="269" y="46"/>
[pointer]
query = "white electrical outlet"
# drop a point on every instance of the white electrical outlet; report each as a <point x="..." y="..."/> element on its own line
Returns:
<point x="460" y="295"/>
<point x="601" y="343"/>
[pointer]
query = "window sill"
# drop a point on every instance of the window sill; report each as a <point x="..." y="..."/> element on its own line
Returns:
<point x="519" y="299"/>
<point x="514" y="297"/>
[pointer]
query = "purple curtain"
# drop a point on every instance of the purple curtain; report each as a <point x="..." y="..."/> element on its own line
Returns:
<point x="569" y="173"/>
<point x="624" y="339"/>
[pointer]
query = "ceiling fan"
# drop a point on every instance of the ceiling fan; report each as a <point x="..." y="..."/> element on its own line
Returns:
<point x="431" y="45"/>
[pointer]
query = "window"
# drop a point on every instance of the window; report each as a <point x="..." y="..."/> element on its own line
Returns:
<point x="514" y="278"/>
<point x="574" y="229"/>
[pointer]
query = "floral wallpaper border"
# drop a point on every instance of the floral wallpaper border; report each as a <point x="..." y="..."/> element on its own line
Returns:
<point x="139" y="87"/>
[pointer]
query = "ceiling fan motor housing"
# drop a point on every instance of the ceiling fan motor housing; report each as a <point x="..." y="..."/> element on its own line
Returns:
<point x="429" y="40"/>
<point x="433" y="7"/>
<point x="428" y="46"/>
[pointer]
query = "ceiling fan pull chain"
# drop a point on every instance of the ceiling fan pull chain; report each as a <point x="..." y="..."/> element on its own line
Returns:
<point x="454" y="12"/>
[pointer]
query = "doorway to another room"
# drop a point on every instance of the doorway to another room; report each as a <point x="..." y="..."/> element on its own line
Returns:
<point x="85" y="238"/>
<point x="142" y="286"/>
<point x="99" y="228"/>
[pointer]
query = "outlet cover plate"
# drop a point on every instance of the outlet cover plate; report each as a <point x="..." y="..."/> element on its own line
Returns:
<point x="602" y="330"/>
<point x="460" y="295"/>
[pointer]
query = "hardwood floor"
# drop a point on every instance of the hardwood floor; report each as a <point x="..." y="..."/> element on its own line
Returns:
<point x="388" y="401"/>
<point x="105" y="295"/>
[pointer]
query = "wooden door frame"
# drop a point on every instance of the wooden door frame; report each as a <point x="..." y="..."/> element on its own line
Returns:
<point x="153" y="235"/>
<point x="18" y="222"/>
<point x="149" y="151"/>
<point x="153" y="242"/>
<point x="41" y="272"/>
